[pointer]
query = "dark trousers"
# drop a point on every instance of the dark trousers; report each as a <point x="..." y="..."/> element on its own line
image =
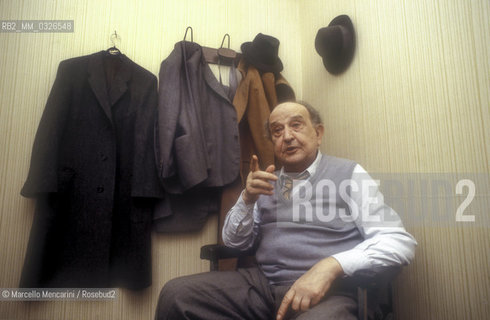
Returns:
<point x="241" y="294"/>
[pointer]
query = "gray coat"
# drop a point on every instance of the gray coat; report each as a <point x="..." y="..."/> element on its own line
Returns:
<point x="94" y="175"/>
<point x="198" y="148"/>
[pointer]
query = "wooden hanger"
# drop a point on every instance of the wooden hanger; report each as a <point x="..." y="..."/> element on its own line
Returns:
<point x="222" y="56"/>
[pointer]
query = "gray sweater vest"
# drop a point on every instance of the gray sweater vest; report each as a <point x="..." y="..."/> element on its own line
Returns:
<point x="295" y="234"/>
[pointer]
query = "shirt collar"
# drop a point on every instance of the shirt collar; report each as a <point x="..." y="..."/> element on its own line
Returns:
<point x="311" y="169"/>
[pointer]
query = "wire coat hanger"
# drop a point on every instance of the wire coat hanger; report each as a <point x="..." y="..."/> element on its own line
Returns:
<point x="192" y="33"/>
<point x="113" y="50"/>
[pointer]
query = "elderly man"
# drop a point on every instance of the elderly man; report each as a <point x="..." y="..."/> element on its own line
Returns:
<point x="316" y="222"/>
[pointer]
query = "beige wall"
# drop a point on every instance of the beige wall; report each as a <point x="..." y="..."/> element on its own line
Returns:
<point x="416" y="99"/>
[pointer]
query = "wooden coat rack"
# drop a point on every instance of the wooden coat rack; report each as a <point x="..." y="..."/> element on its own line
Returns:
<point x="222" y="55"/>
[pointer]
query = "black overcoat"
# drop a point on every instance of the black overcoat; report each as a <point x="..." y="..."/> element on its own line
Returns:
<point x="94" y="175"/>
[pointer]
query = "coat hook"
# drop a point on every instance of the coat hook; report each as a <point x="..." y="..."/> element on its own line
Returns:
<point x="226" y="53"/>
<point x="192" y="33"/>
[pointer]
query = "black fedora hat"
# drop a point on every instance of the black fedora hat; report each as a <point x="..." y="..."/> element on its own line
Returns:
<point x="262" y="53"/>
<point x="336" y="44"/>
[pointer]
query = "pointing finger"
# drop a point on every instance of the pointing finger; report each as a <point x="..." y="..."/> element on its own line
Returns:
<point x="286" y="301"/>
<point x="254" y="164"/>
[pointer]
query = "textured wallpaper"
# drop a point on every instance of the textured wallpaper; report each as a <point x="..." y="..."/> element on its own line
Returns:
<point x="414" y="109"/>
<point x="414" y="101"/>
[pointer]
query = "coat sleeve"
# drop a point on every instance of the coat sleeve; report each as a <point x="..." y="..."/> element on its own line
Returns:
<point x="166" y="124"/>
<point x="181" y="155"/>
<point x="43" y="171"/>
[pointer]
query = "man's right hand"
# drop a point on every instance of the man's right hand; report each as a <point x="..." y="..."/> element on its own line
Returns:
<point x="258" y="182"/>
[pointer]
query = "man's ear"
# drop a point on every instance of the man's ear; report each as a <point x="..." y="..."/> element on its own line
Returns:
<point x="319" y="132"/>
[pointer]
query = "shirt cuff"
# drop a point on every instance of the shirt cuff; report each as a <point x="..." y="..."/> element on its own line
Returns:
<point x="243" y="214"/>
<point x="352" y="261"/>
<point x="242" y="204"/>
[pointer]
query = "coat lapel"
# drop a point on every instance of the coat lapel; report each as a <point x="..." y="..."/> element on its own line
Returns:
<point x="119" y="84"/>
<point x="97" y="80"/>
<point x="98" y="84"/>
<point x="213" y="83"/>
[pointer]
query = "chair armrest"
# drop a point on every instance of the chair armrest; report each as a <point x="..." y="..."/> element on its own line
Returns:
<point x="378" y="280"/>
<point x="216" y="252"/>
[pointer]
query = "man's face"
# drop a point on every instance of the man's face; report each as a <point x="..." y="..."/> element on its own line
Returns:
<point x="296" y="140"/>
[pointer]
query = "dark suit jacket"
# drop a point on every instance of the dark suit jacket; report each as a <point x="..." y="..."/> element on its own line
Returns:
<point x="93" y="172"/>
<point x="197" y="139"/>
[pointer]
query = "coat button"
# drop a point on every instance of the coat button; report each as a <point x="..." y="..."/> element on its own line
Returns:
<point x="100" y="189"/>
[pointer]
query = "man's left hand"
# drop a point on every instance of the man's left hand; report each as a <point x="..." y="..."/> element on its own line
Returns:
<point x="311" y="287"/>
